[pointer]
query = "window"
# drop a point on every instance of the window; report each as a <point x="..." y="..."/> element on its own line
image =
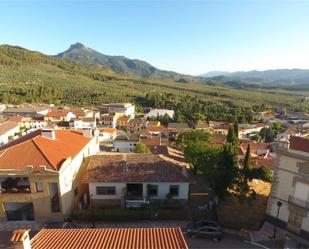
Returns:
<point x="106" y="190"/>
<point x="153" y="190"/>
<point x="54" y="196"/>
<point x="174" y="190"/>
<point x="39" y="187"/>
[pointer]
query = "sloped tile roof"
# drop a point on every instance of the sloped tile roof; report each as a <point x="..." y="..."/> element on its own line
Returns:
<point x="299" y="143"/>
<point x="7" y="126"/>
<point x="57" y="114"/>
<point x="38" y="150"/>
<point x="110" y="167"/>
<point x="118" y="238"/>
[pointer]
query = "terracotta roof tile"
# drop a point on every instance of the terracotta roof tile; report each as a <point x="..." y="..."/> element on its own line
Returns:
<point x="299" y="143"/>
<point x="117" y="238"/>
<point x="38" y="150"/>
<point x="7" y="126"/>
<point x="19" y="235"/>
<point x="57" y="114"/>
<point x="109" y="167"/>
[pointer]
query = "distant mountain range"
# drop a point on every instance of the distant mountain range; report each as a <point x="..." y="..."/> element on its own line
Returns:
<point x="275" y="77"/>
<point x="119" y="64"/>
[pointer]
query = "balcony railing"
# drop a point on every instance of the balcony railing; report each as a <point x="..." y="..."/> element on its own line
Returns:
<point x="18" y="190"/>
<point x="298" y="202"/>
<point x="136" y="203"/>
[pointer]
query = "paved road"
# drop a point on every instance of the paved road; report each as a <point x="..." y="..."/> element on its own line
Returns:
<point x="228" y="241"/>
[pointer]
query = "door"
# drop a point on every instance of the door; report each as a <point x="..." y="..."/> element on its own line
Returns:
<point x="295" y="222"/>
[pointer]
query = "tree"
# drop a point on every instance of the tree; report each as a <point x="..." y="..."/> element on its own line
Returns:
<point x="220" y="168"/>
<point x="195" y="136"/>
<point x="267" y="134"/>
<point x="236" y="128"/>
<point x="194" y="155"/>
<point x="142" y="148"/>
<point x="247" y="160"/>
<point x="231" y="136"/>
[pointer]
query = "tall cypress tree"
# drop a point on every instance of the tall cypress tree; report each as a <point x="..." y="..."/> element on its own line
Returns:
<point x="247" y="161"/>
<point x="236" y="128"/>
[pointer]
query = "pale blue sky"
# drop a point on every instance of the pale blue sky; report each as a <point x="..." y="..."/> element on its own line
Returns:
<point x="185" y="36"/>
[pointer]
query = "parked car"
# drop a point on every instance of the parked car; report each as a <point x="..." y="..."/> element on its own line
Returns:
<point x="204" y="228"/>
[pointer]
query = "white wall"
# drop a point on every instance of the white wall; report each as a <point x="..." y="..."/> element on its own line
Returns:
<point x="118" y="185"/>
<point x="125" y="146"/>
<point x="4" y="138"/>
<point x="163" y="190"/>
<point x="68" y="173"/>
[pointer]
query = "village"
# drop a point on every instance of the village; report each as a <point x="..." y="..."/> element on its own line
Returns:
<point x="115" y="167"/>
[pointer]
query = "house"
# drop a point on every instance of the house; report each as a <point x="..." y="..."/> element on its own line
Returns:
<point x="101" y="238"/>
<point x="156" y="144"/>
<point x="123" y="122"/>
<point x="30" y="110"/>
<point x="29" y="122"/>
<point x="245" y="130"/>
<point x="175" y="129"/>
<point x="127" y="179"/>
<point x="39" y="174"/>
<point x="109" y="120"/>
<point x="59" y="116"/>
<point x="155" y="113"/>
<point x="290" y="186"/>
<point x="260" y="154"/>
<point x="219" y="127"/>
<point x="81" y="113"/>
<point x="83" y="123"/>
<point x="149" y="124"/>
<point x="107" y="134"/>
<point x="8" y="131"/>
<point x="158" y="131"/>
<point x="126" y="109"/>
<point x="135" y="125"/>
<point x="126" y="143"/>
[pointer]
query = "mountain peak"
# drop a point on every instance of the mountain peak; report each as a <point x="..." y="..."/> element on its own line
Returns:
<point x="77" y="45"/>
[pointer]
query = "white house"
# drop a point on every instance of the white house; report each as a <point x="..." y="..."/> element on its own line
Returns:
<point x="290" y="186"/>
<point x="126" y="109"/>
<point x="130" y="179"/>
<point x="83" y="123"/>
<point x="45" y="166"/>
<point x="8" y="131"/>
<point x="58" y="116"/>
<point x="125" y="143"/>
<point x="107" y="134"/>
<point x="160" y="113"/>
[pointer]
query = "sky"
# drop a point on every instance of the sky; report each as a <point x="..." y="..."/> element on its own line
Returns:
<point x="191" y="37"/>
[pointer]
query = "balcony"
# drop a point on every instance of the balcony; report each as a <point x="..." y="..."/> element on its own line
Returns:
<point x="298" y="202"/>
<point x="14" y="185"/>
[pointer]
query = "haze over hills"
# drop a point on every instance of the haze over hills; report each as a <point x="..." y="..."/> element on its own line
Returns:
<point x="30" y="76"/>
<point x="119" y="64"/>
<point x="267" y="77"/>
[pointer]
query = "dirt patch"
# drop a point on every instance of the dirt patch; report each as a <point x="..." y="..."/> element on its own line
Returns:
<point x="248" y="214"/>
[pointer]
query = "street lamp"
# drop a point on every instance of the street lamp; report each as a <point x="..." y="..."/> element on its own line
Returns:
<point x="279" y="204"/>
<point x="92" y="211"/>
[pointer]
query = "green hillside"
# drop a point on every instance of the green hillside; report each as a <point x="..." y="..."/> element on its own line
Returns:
<point x="118" y="64"/>
<point x="27" y="76"/>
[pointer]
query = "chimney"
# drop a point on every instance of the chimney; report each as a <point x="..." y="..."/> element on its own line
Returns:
<point x="48" y="133"/>
<point x="125" y="166"/>
<point x="87" y="132"/>
<point x="21" y="239"/>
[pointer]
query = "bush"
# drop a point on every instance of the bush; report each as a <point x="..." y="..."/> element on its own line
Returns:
<point x="129" y="214"/>
<point x="263" y="173"/>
